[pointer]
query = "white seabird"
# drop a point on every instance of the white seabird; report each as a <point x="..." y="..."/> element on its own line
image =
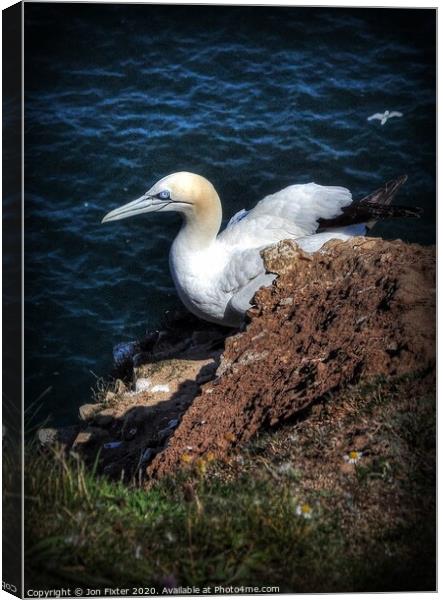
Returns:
<point x="217" y="274"/>
<point x="383" y="117"/>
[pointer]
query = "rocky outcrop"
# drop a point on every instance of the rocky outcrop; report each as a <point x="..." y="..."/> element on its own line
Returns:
<point x="193" y="391"/>
<point x="155" y="381"/>
<point x="355" y="310"/>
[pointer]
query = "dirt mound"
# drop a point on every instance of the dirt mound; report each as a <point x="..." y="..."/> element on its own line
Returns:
<point x="354" y="310"/>
<point x="193" y="390"/>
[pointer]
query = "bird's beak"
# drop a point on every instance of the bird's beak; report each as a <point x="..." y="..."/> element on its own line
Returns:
<point x="144" y="204"/>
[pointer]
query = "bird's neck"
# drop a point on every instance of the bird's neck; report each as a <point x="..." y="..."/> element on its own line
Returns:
<point x="200" y="228"/>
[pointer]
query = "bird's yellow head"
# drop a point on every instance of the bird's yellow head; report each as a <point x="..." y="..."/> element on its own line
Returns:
<point x="187" y="193"/>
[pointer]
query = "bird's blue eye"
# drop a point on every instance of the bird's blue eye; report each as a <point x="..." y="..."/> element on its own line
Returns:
<point x="164" y="195"/>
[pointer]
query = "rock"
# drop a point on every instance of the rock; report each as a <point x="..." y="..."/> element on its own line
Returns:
<point x="87" y="411"/>
<point x="160" y="388"/>
<point x="147" y="455"/>
<point x="49" y="436"/>
<point x="104" y="418"/>
<point x="168" y="368"/>
<point x="353" y="304"/>
<point x="124" y="352"/>
<point x="84" y="437"/>
<point x="143" y="385"/>
<point x="89" y="436"/>
<point x="112" y="445"/>
<point x="168" y="377"/>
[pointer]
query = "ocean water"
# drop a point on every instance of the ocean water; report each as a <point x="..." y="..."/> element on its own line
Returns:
<point x="255" y="99"/>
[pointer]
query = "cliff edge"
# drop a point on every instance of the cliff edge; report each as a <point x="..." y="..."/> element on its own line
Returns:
<point x="355" y="310"/>
<point x="351" y="312"/>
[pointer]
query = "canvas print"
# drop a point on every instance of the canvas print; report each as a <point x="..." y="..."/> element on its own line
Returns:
<point x="227" y="235"/>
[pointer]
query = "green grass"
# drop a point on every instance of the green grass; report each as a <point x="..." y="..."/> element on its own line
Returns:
<point x="371" y="530"/>
<point x="226" y="533"/>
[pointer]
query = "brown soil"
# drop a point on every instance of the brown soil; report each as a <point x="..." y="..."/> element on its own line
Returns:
<point x="355" y="310"/>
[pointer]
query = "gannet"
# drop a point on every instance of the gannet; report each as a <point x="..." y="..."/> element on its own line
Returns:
<point x="383" y="117"/>
<point x="217" y="274"/>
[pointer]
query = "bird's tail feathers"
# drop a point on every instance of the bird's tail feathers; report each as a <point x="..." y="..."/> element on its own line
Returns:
<point x="379" y="205"/>
<point x="386" y="211"/>
<point x="372" y="208"/>
<point x="386" y="193"/>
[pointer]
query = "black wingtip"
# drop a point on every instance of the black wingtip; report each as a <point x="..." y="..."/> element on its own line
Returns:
<point x="385" y="194"/>
<point x="372" y="208"/>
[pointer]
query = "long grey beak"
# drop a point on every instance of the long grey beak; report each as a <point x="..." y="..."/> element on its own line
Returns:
<point x="143" y="204"/>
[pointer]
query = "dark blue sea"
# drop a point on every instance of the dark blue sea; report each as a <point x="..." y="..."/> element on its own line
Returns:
<point x="253" y="98"/>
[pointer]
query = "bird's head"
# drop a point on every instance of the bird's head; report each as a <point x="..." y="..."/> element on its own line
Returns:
<point x="183" y="192"/>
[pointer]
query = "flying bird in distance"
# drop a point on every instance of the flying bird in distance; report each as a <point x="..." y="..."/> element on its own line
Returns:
<point x="384" y="117"/>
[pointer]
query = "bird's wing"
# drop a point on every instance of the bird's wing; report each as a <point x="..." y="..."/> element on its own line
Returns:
<point x="244" y="275"/>
<point x="378" y="116"/>
<point x="395" y="113"/>
<point x="241" y="214"/>
<point x="242" y="300"/>
<point x="242" y="267"/>
<point x="293" y="212"/>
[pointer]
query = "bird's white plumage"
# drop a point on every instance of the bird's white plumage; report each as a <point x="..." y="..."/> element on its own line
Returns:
<point x="384" y="117"/>
<point x="290" y="213"/>
<point x="221" y="280"/>
<point x="216" y="276"/>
